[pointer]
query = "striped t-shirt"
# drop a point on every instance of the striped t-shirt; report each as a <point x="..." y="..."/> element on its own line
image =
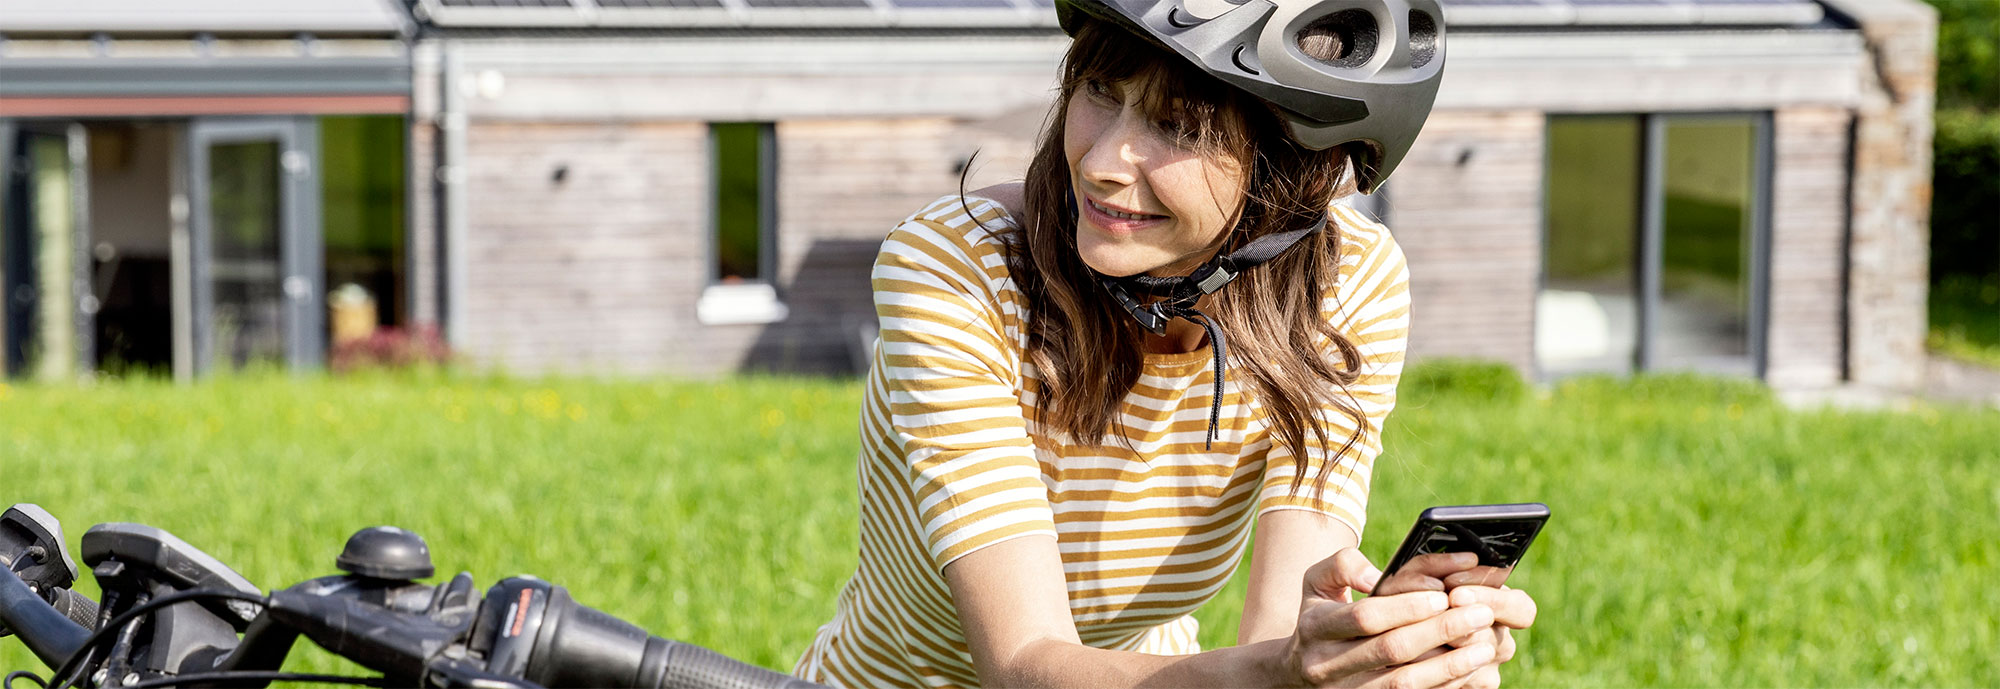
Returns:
<point x="1147" y="534"/>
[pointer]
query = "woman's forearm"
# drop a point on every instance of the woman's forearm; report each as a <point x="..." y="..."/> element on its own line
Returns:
<point x="1057" y="663"/>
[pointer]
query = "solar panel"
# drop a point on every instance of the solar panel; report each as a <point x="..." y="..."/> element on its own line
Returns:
<point x="659" y="4"/>
<point x="562" y="4"/>
<point x="951" y="4"/>
<point x="1636" y="13"/>
<point x="807" y="4"/>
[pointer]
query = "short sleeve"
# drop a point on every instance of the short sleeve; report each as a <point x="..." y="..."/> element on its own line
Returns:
<point x="949" y="375"/>
<point x="1370" y="305"/>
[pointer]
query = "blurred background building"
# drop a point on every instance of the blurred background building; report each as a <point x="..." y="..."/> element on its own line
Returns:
<point x="698" y="186"/>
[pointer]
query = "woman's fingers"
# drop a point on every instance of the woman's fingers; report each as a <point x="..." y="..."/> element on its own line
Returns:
<point x="1487" y="677"/>
<point x="1441" y="670"/>
<point x="1511" y="607"/>
<point x="1478" y="576"/>
<point x="1426" y="573"/>
<point x="1373" y="615"/>
<point x="1404" y="644"/>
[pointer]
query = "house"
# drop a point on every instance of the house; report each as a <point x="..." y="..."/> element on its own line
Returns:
<point x="698" y="186"/>
<point x="184" y="178"/>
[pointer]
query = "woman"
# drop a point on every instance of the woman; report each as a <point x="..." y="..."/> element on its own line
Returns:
<point x="1070" y="424"/>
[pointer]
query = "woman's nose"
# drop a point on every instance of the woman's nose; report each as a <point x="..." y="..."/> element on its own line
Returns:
<point x="1116" y="153"/>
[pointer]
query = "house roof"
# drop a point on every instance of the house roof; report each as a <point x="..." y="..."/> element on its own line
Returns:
<point x="182" y="17"/>
<point x="685" y="14"/>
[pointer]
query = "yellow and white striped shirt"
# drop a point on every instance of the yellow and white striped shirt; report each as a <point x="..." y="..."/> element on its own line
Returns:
<point x="1147" y="534"/>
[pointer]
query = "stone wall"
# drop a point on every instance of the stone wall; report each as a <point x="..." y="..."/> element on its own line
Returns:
<point x="1889" y="248"/>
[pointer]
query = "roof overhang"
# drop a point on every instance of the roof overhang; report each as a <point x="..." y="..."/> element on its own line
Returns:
<point x="186" y="17"/>
<point x="1018" y="14"/>
<point x="184" y="77"/>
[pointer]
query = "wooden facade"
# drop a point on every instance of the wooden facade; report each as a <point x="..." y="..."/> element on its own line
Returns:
<point x="601" y="267"/>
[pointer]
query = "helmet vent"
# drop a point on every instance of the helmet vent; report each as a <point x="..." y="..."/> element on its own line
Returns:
<point x="1237" y="57"/>
<point x="1423" y="39"/>
<point x="1345" y="39"/>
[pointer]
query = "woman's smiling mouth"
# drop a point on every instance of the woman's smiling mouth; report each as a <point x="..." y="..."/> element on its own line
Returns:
<point x="1114" y="220"/>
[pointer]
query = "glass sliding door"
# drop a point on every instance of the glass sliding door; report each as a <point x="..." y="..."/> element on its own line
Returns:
<point x="1708" y="206"/>
<point x="256" y="251"/>
<point x="1586" y="317"/>
<point x="1655" y="244"/>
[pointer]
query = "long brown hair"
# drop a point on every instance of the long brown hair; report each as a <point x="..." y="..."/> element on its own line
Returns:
<point x="1088" y="354"/>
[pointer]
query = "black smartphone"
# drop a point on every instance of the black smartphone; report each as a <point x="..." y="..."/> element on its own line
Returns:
<point x="1499" y="534"/>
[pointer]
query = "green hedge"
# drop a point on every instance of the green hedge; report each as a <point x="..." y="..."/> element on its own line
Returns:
<point x="1965" y="212"/>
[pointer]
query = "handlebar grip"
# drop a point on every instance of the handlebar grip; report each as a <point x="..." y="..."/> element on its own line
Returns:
<point x="77" y="607"/>
<point x="676" y="665"/>
<point x="579" y="646"/>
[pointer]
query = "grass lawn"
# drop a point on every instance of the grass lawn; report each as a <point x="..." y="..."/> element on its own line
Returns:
<point x="1965" y="319"/>
<point x="1703" y="535"/>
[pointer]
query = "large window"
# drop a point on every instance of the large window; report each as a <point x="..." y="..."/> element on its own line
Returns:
<point x="743" y="266"/>
<point x="1654" y="251"/>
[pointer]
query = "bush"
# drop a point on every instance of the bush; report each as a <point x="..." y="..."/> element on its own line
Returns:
<point x="1965" y="211"/>
<point x="416" y="347"/>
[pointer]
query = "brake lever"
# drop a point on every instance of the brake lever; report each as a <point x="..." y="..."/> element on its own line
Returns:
<point x="393" y="642"/>
<point x="455" y="673"/>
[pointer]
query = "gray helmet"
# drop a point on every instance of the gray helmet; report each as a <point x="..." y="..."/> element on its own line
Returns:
<point x="1375" y="87"/>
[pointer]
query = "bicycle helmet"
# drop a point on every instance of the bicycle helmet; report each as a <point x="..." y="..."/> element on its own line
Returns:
<point x="1337" y="71"/>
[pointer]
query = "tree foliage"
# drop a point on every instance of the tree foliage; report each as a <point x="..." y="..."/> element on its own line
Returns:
<point x="1968" y="53"/>
<point x="1965" y="209"/>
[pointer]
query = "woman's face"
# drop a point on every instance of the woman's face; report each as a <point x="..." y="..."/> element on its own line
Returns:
<point x="1146" y="201"/>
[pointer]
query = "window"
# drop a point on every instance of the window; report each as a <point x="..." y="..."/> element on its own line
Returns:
<point x="743" y="240"/>
<point x="1654" y="249"/>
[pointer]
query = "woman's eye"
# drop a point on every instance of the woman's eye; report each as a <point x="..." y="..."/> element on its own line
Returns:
<point x="1100" y="90"/>
<point x="1176" y="130"/>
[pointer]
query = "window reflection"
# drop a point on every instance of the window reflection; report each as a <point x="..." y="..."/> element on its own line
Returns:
<point x="1586" y="318"/>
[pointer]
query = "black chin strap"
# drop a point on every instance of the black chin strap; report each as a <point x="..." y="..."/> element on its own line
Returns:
<point x="1180" y="293"/>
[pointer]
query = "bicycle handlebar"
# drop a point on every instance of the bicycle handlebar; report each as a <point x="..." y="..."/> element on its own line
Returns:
<point x="524" y="632"/>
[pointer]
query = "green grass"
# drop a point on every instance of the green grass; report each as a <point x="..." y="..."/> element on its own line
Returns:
<point x="1965" y="319"/>
<point x="1703" y="535"/>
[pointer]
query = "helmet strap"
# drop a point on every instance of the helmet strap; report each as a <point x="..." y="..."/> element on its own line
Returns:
<point x="1181" y="292"/>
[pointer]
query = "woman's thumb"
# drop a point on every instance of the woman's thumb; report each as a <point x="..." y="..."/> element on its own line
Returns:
<point x="1347" y="569"/>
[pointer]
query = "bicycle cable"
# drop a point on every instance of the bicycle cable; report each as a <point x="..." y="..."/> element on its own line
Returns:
<point x="258" y="675"/>
<point x="104" y="633"/>
<point x="17" y="674"/>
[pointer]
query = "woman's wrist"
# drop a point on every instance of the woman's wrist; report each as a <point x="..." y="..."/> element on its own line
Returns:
<point x="1273" y="664"/>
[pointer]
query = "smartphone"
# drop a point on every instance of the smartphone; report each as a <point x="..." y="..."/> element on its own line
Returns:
<point x="1499" y="534"/>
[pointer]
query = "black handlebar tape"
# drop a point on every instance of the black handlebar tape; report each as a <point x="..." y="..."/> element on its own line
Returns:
<point x="77" y="607"/>
<point x="676" y="665"/>
<point x="50" y="635"/>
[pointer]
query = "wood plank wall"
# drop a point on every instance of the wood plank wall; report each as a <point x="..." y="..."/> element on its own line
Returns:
<point x="1809" y="212"/>
<point x="1466" y="206"/>
<point x="597" y="272"/>
<point x="601" y="272"/>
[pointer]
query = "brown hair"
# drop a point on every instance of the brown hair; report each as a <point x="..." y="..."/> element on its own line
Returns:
<point x="1089" y="353"/>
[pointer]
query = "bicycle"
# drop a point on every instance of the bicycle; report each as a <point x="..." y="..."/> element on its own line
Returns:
<point x="173" y="616"/>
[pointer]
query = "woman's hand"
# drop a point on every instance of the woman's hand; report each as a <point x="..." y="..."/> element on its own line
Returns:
<point x="1469" y="584"/>
<point x="1402" y="641"/>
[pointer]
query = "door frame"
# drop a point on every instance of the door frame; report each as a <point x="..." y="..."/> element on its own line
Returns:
<point x="82" y="302"/>
<point x="301" y="255"/>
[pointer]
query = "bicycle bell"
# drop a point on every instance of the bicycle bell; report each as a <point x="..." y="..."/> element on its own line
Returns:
<point x="386" y="552"/>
